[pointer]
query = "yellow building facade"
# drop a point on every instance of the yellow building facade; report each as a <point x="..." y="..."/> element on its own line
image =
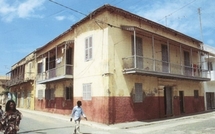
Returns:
<point x="21" y="84"/>
<point x="122" y="67"/>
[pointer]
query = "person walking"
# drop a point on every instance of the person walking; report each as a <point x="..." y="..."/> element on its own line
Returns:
<point x="76" y="114"/>
<point x="11" y="118"/>
<point x="1" y="111"/>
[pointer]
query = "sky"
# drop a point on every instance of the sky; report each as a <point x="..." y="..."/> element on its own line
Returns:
<point x="26" y="25"/>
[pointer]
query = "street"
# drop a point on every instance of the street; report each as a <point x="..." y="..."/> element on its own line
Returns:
<point x="33" y="123"/>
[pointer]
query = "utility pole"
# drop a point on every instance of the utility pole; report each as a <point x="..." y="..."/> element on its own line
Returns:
<point x="200" y="21"/>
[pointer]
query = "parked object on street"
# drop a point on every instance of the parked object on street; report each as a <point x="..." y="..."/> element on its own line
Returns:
<point x="11" y="118"/>
<point x="76" y="114"/>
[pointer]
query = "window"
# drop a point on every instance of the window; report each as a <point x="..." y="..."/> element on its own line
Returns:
<point x="49" y="94"/>
<point x="68" y="93"/>
<point x="50" y="62"/>
<point x="87" y="91"/>
<point x="196" y="93"/>
<point x="138" y="93"/>
<point x="40" y="67"/>
<point x="165" y="58"/>
<point x="88" y="48"/>
<point x="69" y="56"/>
<point x="210" y="66"/>
<point x="29" y="67"/>
<point x="40" y="94"/>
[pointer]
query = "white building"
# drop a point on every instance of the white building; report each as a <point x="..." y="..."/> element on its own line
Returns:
<point x="209" y="86"/>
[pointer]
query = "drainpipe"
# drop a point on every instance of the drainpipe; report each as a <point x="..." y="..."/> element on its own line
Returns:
<point x="135" y="51"/>
<point x="169" y="69"/>
<point x="153" y="52"/>
<point x="65" y="57"/>
<point x="191" y="61"/>
<point x="180" y="61"/>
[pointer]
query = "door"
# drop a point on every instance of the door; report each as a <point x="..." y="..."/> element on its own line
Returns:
<point x="168" y="101"/>
<point x="187" y="68"/>
<point x="29" y="100"/>
<point x="139" y="52"/>
<point x="210" y="100"/>
<point x="181" y="101"/>
<point x="165" y="59"/>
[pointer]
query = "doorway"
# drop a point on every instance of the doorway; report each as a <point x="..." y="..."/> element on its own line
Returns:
<point x="165" y="59"/>
<point x="187" y="68"/>
<point x="210" y="100"/>
<point x="168" y="101"/>
<point x="181" y="101"/>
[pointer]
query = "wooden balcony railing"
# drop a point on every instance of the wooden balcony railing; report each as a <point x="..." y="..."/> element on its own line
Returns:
<point x="61" y="72"/>
<point x="155" y="67"/>
<point x="19" y="79"/>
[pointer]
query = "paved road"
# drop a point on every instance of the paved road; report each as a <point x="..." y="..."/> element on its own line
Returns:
<point x="36" y="122"/>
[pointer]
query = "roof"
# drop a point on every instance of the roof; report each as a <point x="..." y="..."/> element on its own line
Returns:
<point x="119" y="10"/>
<point x="108" y="7"/>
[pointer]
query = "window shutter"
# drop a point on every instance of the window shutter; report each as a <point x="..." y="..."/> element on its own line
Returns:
<point x="52" y="94"/>
<point x="86" y="49"/>
<point x="89" y="92"/>
<point x="40" y="94"/>
<point x="84" y="91"/>
<point x="138" y="92"/>
<point x="90" y="48"/>
<point x="46" y="94"/>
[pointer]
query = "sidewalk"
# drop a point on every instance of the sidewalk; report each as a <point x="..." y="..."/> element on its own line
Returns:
<point x="126" y="125"/>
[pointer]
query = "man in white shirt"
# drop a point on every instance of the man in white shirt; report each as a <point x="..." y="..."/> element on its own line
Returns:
<point x="76" y="114"/>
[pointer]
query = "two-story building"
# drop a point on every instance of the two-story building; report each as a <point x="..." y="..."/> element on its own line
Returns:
<point x="123" y="67"/>
<point x="209" y="86"/>
<point x="21" y="83"/>
<point x="54" y="82"/>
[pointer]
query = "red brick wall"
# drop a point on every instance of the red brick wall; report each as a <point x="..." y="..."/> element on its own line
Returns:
<point x="176" y="106"/>
<point x="194" y="105"/>
<point x="121" y="109"/>
<point x="58" y="105"/>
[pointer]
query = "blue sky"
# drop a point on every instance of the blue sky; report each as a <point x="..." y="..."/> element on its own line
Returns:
<point x="26" y="25"/>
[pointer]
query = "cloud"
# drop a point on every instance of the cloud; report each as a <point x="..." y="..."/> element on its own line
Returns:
<point x="19" y="9"/>
<point x="60" y="18"/>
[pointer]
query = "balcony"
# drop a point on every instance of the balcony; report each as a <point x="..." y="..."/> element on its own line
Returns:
<point x="162" y="69"/>
<point x="19" y="79"/>
<point x="54" y="74"/>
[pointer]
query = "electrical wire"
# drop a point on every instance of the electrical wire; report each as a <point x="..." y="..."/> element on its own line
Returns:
<point x="96" y="20"/>
<point x="177" y="10"/>
<point x="67" y="7"/>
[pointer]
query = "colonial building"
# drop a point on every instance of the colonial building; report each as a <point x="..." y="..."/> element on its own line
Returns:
<point x="209" y="86"/>
<point x="123" y="67"/>
<point x="21" y="83"/>
<point x="54" y="82"/>
<point x="3" y="89"/>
